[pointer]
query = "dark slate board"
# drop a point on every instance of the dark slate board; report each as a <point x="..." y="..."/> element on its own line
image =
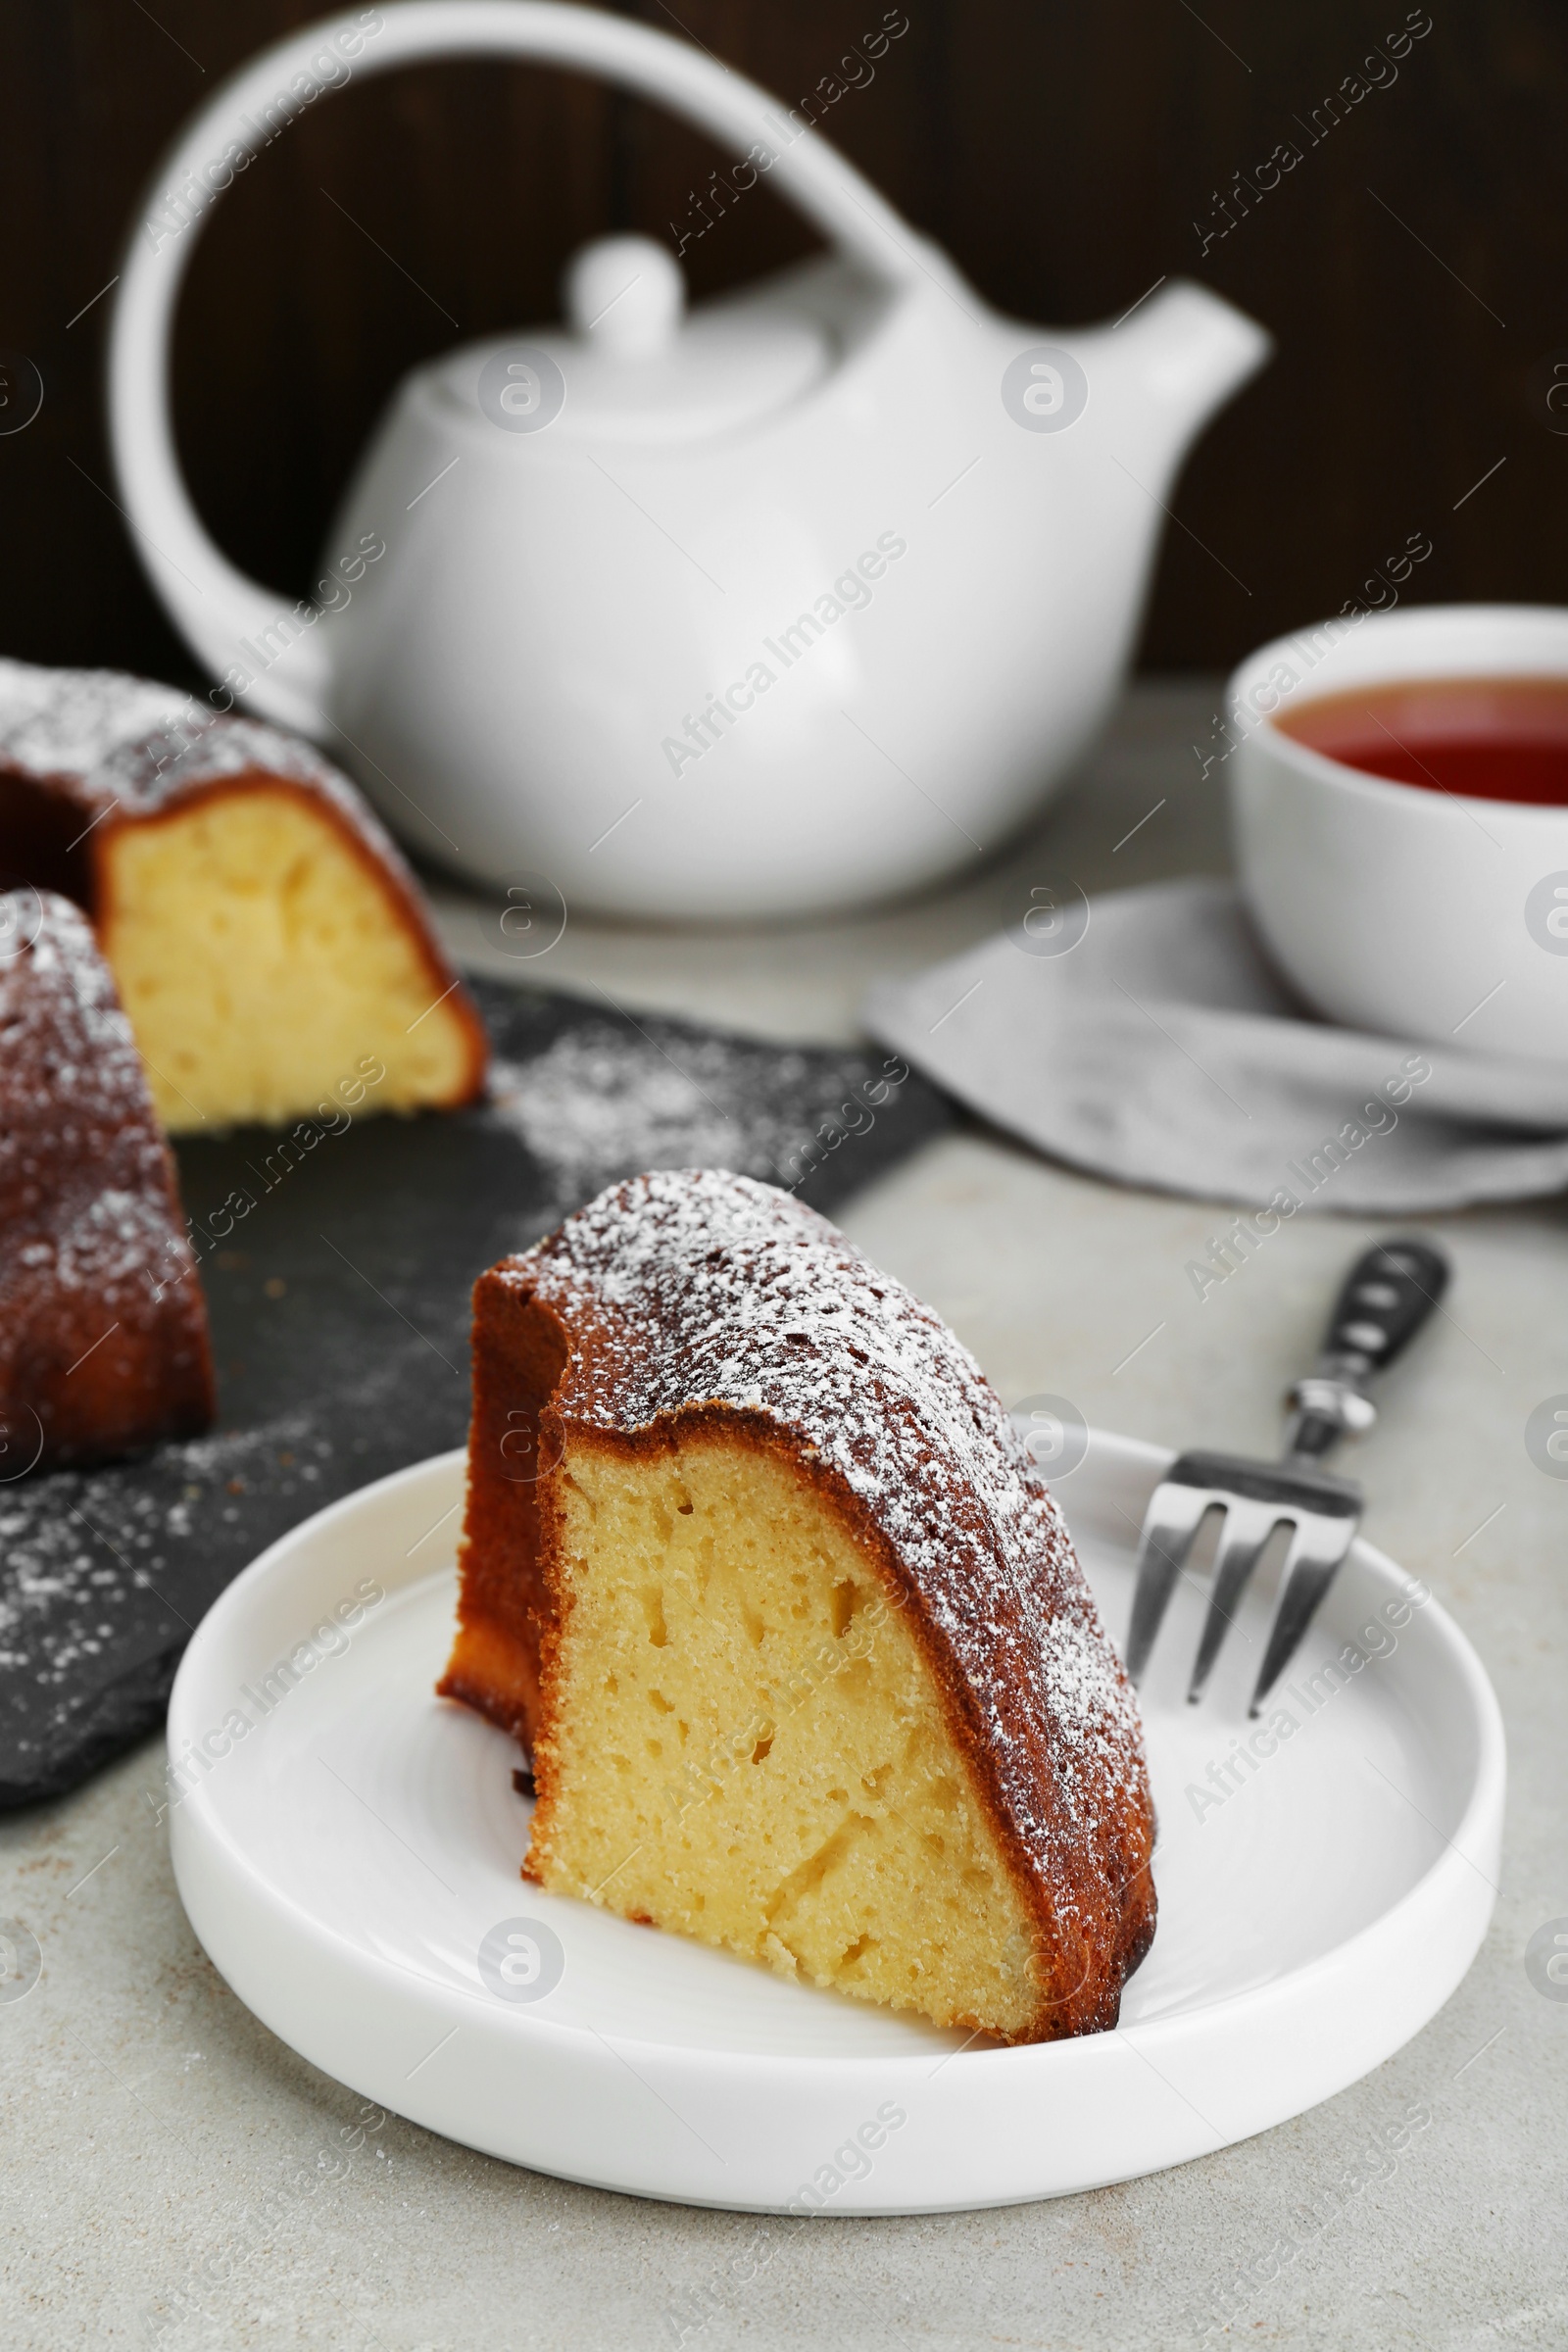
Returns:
<point x="337" y="1269"/>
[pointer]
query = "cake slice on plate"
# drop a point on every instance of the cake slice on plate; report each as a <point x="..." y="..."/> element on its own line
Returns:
<point x="270" y="945"/>
<point x="103" y="1328"/>
<point x="757" y="1569"/>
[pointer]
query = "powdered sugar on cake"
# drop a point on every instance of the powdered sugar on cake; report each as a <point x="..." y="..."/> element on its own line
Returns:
<point x="68" y="1048"/>
<point x="128" y="740"/>
<point x="698" y="1287"/>
<point x="150" y="773"/>
<point x="93" y="1241"/>
<point x="66" y="722"/>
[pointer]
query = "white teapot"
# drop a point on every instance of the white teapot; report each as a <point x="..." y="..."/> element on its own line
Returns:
<point x="795" y="601"/>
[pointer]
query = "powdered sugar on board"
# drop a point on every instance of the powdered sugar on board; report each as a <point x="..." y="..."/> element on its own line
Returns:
<point x="606" y="1097"/>
<point x="85" y="1613"/>
<point x="700" y="1287"/>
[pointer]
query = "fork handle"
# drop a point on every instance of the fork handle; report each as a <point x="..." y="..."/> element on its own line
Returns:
<point x="1388" y="1294"/>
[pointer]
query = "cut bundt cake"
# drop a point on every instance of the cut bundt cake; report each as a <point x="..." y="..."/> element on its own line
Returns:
<point x="267" y="938"/>
<point x="103" y="1328"/>
<point x="757" y="1569"/>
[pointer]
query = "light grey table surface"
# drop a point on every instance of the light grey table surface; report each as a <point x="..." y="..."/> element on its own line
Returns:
<point x="172" y="2174"/>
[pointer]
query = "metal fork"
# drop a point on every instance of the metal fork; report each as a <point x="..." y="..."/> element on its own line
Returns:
<point x="1388" y="1294"/>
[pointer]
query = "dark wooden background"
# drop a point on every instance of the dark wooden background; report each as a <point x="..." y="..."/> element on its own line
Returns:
<point x="1060" y="151"/>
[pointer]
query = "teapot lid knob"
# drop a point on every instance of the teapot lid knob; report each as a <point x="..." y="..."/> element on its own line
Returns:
<point x="625" y="295"/>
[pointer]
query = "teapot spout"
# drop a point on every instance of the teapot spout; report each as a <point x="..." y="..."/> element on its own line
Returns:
<point x="1177" y="359"/>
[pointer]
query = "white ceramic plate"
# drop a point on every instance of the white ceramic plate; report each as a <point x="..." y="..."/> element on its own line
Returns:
<point x="355" y="1841"/>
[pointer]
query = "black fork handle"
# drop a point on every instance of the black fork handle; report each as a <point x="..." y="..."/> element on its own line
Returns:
<point x="1389" y="1293"/>
<point x="1387" y="1296"/>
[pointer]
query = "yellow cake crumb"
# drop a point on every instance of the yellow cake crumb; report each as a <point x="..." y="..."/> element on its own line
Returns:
<point x="750" y="1749"/>
<point x="264" y="967"/>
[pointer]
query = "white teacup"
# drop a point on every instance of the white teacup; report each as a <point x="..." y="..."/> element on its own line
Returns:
<point x="1394" y="908"/>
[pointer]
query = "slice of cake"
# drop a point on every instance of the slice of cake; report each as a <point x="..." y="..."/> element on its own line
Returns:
<point x="268" y="940"/>
<point x="757" y="1567"/>
<point x="103" y="1328"/>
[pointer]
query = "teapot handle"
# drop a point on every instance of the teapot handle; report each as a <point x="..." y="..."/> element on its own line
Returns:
<point x="223" y="616"/>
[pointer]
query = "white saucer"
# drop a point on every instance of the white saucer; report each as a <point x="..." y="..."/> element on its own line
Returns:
<point x="346" y="1857"/>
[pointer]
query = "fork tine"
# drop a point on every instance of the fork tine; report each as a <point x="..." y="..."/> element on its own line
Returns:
<point x="1175" y="1514"/>
<point x="1315" y="1556"/>
<point x="1247" y="1531"/>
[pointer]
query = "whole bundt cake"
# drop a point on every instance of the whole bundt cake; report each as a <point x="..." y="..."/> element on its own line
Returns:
<point x="757" y="1567"/>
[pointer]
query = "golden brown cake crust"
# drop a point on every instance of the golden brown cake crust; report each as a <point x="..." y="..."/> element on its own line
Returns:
<point x="85" y="754"/>
<point x="695" y="1301"/>
<point x="103" y="1328"/>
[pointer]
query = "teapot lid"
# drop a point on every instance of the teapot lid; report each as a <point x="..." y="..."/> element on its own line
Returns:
<point x="632" y="367"/>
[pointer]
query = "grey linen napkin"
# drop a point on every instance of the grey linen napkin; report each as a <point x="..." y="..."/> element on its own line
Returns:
<point x="1143" y="1035"/>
